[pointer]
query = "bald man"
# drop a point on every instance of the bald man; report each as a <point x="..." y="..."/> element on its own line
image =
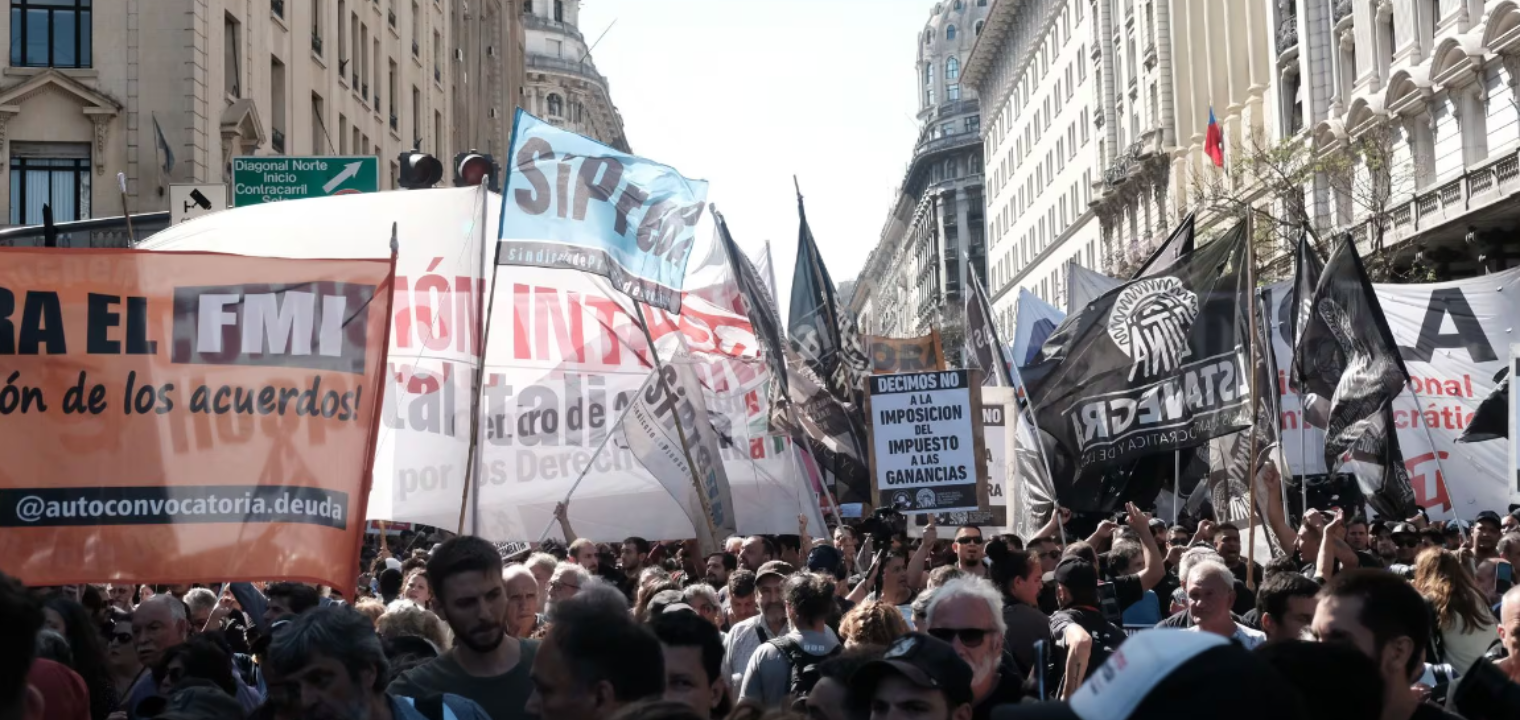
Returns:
<point x="1509" y="633"/>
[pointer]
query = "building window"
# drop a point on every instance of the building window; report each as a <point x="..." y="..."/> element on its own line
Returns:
<point x="959" y="5"/>
<point x="232" y="70"/>
<point x="974" y="124"/>
<point x="953" y="92"/>
<point x="318" y="126"/>
<point x="559" y="11"/>
<point x="929" y="96"/>
<point x="950" y="32"/>
<point x="556" y="105"/>
<point x="53" y="174"/>
<point x="947" y="129"/>
<point x="277" y="105"/>
<point x="50" y="33"/>
<point x="977" y="28"/>
<point x="952" y="69"/>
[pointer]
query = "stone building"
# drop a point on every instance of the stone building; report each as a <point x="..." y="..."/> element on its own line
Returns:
<point x="169" y="91"/>
<point x="934" y="237"/>
<point x="563" y="86"/>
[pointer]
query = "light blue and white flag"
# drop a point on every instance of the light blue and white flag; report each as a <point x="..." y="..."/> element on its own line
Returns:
<point x="1034" y="320"/>
<point x="574" y="203"/>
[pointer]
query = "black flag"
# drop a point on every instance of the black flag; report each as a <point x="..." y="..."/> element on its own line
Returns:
<point x="1491" y="421"/>
<point x="984" y="349"/>
<point x="1307" y="268"/>
<point x="1351" y="373"/>
<point x="1178" y="244"/>
<point x="757" y="305"/>
<point x="1155" y="365"/>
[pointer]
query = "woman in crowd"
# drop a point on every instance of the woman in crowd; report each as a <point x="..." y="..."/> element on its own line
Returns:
<point x="417" y="589"/>
<point x="70" y="619"/>
<point x="1466" y="626"/>
<point x="406" y="618"/>
<point x="872" y="622"/>
<point x="888" y="582"/>
<point x="121" y="657"/>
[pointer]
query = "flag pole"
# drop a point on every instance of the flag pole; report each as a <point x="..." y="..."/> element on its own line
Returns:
<point x="691" y="465"/>
<point x="611" y="430"/>
<point x="1255" y="402"/>
<point x="483" y="311"/>
<point x="1176" y="484"/>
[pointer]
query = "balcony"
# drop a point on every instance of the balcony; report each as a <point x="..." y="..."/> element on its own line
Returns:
<point x="316" y="43"/>
<point x="537" y="61"/>
<point x="278" y="8"/>
<point x="534" y="22"/>
<point x="1481" y="195"/>
<point x="1287" y="34"/>
<point x="277" y="140"/>
<point x="1149" y="55"/>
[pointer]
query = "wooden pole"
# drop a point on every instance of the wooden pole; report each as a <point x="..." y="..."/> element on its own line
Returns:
<point x="1255" y="403"/>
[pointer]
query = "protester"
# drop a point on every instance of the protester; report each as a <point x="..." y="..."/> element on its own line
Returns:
<point x="199" y="657"/>
<point x="887" y="580"/>
<point x="757" y="551"/>
<point x="594" y="661"/>
<point x="774" y="670"/>
<point x="522" y="601"/>
<point x="583" y="552"/>
<point x="703" y="600"/>
<point x="829" y="698"/>
<point x="871" y="623"/>
<point x="542" y="565"/>
<point x="567" y="580"/>
<point x="747" y="636"/>
<point x="328" y="663"/>
<point x="693" y="650"/>
<point x="1211" y="594"/>
<point x="486" y="664"/>
<point x="969" y="551"/>
<point x="1466" y="626"/>
<point x="390" y="582"/>
<point x="848" y="544"/>
<point x="1227" y="544"/>
<point x="416" y="589"/>
<point x="1018" y="575"/>
<point x="159" y="623"/>
<point x="1385" y="618"/>
<point x="1285" y="606"/>
<point x="63" y="692"/>
<point x="88" y="654"/>
<point x="967" y="613"/>
<point x="1509" y="634"/>
<point x="121" y="657"/>
<point x="408" y="619"/>
<point x="1083" y="639"/>
<point x="119" y="595"/>
<point x="717" y="569"/>
<point x="1486" y="531"/>
<point x="742" y="601"/>
<point x="287" y="599"/>
<point x="1338" y="681"/>
<point x="370" y="608"/>
<point x="1358" y="534"/>
<point x="919" y="677"/>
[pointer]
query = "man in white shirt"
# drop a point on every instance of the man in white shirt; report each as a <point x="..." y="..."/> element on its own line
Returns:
<point x="1211" y="594"/>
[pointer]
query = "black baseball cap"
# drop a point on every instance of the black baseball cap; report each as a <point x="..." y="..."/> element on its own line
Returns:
<point x="927" y="662"/>
<point x="1490" y="516"/>
<point x="1075" y="573"/>
<point x="825" y="559"/>
<point x="1166" y="674"/>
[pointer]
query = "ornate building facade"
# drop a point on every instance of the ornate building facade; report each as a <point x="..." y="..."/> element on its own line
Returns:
<point x="934" y="238"/>
<point x="563" y="85"/>
<point x="1032" y="69"/>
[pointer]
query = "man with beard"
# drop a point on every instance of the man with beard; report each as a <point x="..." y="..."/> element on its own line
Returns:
<point x="967" y="613"/>
<point x="1406" y="540"/>
<point x="757" y="551"/>
<point x="328" y="664"/>
<point x="719" y="566"/>
<point x="594" y="661"/>
<point x="1227" y="544"/>
<point x="486" y="664"/>
<point x="969" y="549"/>
<point x="747" y="636"/>
<point x="741" y="603"/>
<point x="1486" y="530"/>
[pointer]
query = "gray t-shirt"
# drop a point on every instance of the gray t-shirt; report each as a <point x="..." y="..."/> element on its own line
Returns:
<point x="769" y="674"/>
<point x="503" y="697"/>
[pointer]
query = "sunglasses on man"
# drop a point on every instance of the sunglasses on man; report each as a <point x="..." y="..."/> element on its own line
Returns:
<point x="968" y="540"/>
<point x="969" y="637"/>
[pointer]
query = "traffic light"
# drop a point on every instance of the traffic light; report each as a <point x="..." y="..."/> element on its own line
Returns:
<point x="419" y="171"/>
<point x="470" y="168"/>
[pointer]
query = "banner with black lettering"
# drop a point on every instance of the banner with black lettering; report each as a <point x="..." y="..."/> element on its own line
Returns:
<point x="997" y="443"/>
<point x="1351" y="373"/>
<point x="904" y="355"/>
<point x="926" y="449"/>
<point x="1156" y="365"/>
<point x="574" y="203"/>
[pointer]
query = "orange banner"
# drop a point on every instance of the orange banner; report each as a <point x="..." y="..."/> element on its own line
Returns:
<point x="187" y="417"/>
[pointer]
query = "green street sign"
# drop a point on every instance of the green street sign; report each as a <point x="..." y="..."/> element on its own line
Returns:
<point x="266" y="179"/>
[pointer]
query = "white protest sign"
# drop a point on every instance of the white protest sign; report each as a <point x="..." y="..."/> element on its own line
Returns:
<point x="998" y="411"/>
<point x="926" y="448"/>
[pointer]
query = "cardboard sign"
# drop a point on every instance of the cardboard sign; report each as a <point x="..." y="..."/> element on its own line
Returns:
<point x="926" y="446"/>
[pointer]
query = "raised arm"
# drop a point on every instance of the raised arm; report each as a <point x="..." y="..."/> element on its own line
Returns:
<point x="921" y="555"/>
<point x="562" y="514"/>
<point x="1155" y="562"/>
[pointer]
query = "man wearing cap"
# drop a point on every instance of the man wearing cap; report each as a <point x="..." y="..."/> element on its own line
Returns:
<point x="747" y="636"/>
<point x="919" y="677"/>
<point x="1406" y="540"/>
<point x="1486" y="530"/>
<point x="1083" y="638"/>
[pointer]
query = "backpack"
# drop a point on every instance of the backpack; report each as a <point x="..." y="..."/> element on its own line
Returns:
<point x="804" y="665"/>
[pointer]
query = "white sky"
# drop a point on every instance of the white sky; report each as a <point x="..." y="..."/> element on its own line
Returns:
<point x="745" y="93"/>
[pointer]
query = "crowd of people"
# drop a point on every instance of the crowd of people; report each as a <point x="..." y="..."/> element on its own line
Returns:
<point x="1124" y="618"/>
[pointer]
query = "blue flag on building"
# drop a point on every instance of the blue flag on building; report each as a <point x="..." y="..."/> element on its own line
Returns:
<point x="573" y="203"/>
